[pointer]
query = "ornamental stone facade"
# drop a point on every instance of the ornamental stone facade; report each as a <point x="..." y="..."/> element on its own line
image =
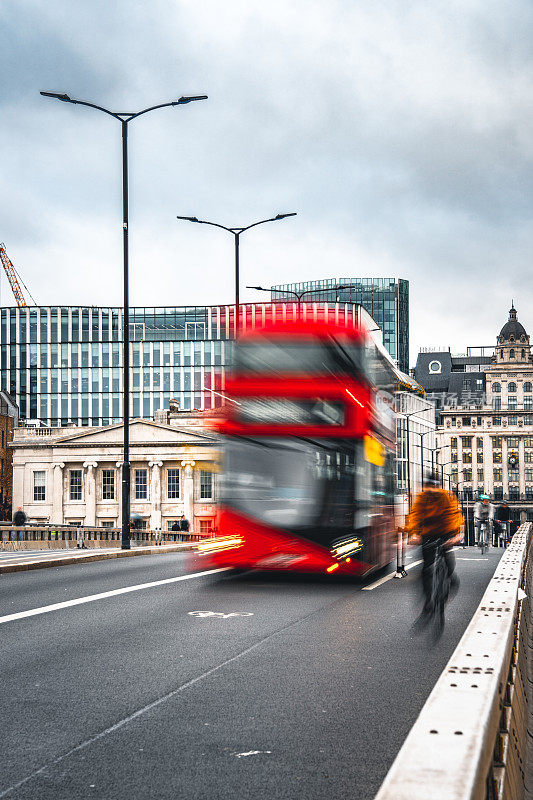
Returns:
<point x="488" y="447"/>
<point x="73" y="475"/>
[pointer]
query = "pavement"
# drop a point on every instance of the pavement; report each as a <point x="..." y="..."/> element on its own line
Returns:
<point x="23" y="560"/>
<point x="210" y="686"/>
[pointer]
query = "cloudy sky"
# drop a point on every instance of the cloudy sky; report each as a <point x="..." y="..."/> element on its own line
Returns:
<point x="401" y="131"/>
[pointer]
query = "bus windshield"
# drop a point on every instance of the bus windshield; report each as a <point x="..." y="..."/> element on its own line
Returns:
<point x="286" y="356"/>
<point x="293" y="483"/>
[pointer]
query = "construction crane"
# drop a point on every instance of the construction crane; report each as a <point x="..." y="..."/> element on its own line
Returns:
<point x="13" y="278"/>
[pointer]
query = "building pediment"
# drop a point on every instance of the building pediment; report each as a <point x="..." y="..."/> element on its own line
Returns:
<point x="141" y="432"/>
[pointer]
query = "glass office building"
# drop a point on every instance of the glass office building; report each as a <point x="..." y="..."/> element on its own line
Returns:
<point x="385" y="299"/>
<point x="63" y="365"/>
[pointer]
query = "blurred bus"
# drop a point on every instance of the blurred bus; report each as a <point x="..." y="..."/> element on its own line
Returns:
<point x="308" y="453"/>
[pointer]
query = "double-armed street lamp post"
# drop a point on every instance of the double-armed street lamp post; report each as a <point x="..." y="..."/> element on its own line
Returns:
<point x="236" y="232"/>
<point x="124" y="117"/>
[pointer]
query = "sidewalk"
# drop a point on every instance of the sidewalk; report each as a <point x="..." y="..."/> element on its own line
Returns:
<point x="22" y="560"/>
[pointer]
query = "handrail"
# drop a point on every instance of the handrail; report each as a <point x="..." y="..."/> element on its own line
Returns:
<point x="469" y="741"/>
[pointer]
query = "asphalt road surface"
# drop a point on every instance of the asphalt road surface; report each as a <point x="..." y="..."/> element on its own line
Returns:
<point x="287" y="689"/>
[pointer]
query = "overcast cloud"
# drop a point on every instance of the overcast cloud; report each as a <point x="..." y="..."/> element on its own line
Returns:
<point x="401" y="133"/>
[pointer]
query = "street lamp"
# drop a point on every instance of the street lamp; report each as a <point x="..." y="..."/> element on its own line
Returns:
<point x="236" y="232"/>
<point x="125" y="117"/>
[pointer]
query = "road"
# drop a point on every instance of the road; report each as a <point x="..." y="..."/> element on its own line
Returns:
<point x="130" y="696"/>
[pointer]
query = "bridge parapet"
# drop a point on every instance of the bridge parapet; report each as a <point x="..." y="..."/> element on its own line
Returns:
<point x="471" y="739"/>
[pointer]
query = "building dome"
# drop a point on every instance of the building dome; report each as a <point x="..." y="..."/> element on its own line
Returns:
<point x="512" y="330"/>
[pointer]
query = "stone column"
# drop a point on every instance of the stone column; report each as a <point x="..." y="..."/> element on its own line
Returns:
<point x="188" y="492"/>
<point x="90" y="493"/>
<point x="57" y="494"/>
<point x="155" y="492"/>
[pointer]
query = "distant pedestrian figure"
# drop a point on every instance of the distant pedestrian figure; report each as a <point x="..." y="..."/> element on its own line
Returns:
<point x="184" y="524"/>
<point x="175" y="529"/>
<point x="158" y="537"/>
<point x="80" y="538"/>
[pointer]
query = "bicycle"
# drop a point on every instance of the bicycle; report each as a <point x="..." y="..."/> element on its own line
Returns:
<point x="483" y="541"/>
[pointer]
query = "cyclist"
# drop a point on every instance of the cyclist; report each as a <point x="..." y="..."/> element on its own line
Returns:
<point x="435" y="519"/>
<point x="483" y="514"/>
<point x="502" y="516"/>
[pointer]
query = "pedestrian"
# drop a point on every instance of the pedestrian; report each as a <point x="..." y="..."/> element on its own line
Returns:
<point x="502" y="517"/>
<point x="158" y="537"/>
<point x="80" y="539"/>
<point x="19" y="520"/>
<point x="175" y="528"/>
<point x="184" y="524"/>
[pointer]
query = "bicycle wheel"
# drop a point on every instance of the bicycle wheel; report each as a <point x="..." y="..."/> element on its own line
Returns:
<point x="440" y="594"/>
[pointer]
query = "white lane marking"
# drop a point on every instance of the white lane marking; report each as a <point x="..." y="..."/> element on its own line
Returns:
<point x="252" y="753"/>
<point x="220" y="614"/>
<point x="32" y="612"/>
<point x="388" y="577"/>
<point x="469" y="558"/>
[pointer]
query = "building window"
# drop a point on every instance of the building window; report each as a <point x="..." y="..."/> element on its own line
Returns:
<point x="107" y="523"/>
<point x="496" y="420"/>
<point x="497" y="441"/>
<point x="496" y="458"/>
<point x="108" y="484"/>
<point x="467" y="474"/>
<point x="528" y="403"/>
<point x="454" y="476"/>
<point x="141" y="484"/>
<point x="512" y="387"/>
<point x="454" y="458"/>
<point x="514" y="475"/>
<point x="514" y="493"/>
<point x="512" y="441"/>
<point x="466" y="384"/>
<point x="479" y="442"/>
<point x="206" y="485"/>
<point x="528" y="419"/>
<point x="480" y="476"/>
<point x="453" y="441"/>
<point x="529" y="473"/>
<point x="467" y="458"/>
<point x="527" y="386"/>
<point x="529" y="496"/>
<point x="511" y="353"/>
<point x="39" y="485"/>
<point x="496" y="388"/>
<point x="173" y="484"/>
<point x="496" y="404"/>
<point x="512" y="404"/>
<point x="454" y="422"/>
<point x="466" y="441"/>
<point x="480" y="456"/>
<point x="498" y="473"/>
<point x="528" y="457"/>
<point x="498" y="492"/>
<point x="75" y="484"/>
<point x="523" y="354"/>
<point x="206" y="526"/>
<point x="512" y="419"/>
<point x="528" y="441"/>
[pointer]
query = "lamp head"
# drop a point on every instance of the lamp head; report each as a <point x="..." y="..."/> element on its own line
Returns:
<point x="58" y="96"/>
<point x="282" y="216"/>
<point x="188" y="219"/>
<point x="184" y="100"/>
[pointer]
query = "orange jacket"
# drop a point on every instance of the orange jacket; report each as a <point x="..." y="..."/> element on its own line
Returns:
<point x="435" y="511"/>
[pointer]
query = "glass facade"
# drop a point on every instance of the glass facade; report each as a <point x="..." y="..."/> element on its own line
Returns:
<point x="63" y="365"/>
<point x="385" y="299"/>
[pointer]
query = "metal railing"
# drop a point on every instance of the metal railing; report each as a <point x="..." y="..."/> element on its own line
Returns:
<point x="63" y="535"/>
<point x="471" y="739"/>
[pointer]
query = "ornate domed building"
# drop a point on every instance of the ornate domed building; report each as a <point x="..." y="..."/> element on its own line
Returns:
<point x="489" y="449"/>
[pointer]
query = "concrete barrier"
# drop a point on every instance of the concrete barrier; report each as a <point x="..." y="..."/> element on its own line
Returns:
<point x="472" y="740"/>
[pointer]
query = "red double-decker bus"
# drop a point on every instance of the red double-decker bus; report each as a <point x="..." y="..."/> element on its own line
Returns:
<point x="307" y="480"/>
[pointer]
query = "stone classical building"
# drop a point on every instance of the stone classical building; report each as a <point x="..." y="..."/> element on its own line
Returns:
<point x="490" y="448"/>
<point x="72" y="475"/>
